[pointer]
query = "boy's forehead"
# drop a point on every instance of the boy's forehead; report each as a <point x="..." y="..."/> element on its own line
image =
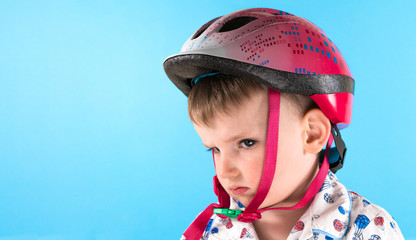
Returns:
<point x="237" y="121"/>
<point x="251" y="108"/>
<point x="252" y="111"/>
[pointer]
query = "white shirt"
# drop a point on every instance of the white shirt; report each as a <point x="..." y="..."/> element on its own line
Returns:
<point x="335" y="213"/>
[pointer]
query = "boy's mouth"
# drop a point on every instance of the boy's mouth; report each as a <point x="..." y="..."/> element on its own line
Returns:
<point x="238" y="190"/>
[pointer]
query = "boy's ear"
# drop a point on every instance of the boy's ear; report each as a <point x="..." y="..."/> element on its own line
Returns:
<point x="317" y="129"/>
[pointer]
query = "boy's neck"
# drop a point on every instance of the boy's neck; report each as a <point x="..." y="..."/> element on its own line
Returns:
<point x="277" y="224"/>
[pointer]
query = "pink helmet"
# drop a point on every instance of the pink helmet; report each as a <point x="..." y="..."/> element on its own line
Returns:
<point x="282" y="51"/>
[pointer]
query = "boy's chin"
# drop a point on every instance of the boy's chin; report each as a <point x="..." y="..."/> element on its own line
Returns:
<point x="242" y="201"/>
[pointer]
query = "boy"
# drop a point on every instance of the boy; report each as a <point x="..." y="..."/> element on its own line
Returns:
<point x="267" y="92"/>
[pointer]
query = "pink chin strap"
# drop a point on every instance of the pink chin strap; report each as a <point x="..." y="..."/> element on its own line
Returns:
<point x="252" y="211"/>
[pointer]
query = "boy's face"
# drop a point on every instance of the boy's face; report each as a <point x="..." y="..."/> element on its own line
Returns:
<point x="239" y="144"/>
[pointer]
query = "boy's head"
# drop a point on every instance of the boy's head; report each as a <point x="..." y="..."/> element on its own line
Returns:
<point x="265" y="52"/>
<point x="231" y="116"/>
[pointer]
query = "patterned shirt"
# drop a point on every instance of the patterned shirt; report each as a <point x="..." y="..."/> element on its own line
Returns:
<point x="335" y="213"/>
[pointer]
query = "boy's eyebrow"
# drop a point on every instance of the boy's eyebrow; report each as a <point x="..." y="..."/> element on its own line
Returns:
<point x="232" y="139"/>
<point x="243" y="134"/>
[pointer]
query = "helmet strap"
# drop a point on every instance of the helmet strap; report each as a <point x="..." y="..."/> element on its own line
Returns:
<point x="251" y="213"/>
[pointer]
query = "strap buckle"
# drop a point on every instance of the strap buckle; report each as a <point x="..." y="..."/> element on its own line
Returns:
<point x="231" y="213"/>
<point x="336" y="155"/>
<point x="341" y="149"/>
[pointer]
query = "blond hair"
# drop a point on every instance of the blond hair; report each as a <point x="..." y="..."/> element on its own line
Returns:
<point x="214" y="96"/>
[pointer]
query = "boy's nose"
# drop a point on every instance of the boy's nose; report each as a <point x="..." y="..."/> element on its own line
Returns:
<point x="226" y="166"/>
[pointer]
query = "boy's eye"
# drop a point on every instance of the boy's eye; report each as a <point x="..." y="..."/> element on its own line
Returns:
<point x="215" y="149"/>
<point x="247" y="143"/>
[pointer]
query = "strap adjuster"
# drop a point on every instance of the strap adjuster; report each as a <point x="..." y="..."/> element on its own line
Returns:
<point x="231" y="213"/>
<point x="341" y="149"/>
<point x="336" y="155"/>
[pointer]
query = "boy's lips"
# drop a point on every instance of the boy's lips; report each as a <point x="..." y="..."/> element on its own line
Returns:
<point x="238" y="190"/>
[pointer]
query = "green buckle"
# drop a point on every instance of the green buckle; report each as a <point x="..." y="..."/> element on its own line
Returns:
<point x="231" y="213"/>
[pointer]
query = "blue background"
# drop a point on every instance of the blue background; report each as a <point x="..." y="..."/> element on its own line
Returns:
<point x="95" y="142"/>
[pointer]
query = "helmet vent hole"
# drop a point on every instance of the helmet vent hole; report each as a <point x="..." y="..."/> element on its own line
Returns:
<point x="199" y="32"/>
<point x="203" y="28"/>
<point x="236" y="23"/>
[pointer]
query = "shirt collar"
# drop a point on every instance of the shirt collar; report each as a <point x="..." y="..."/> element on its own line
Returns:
<point x="329" y="212"/>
